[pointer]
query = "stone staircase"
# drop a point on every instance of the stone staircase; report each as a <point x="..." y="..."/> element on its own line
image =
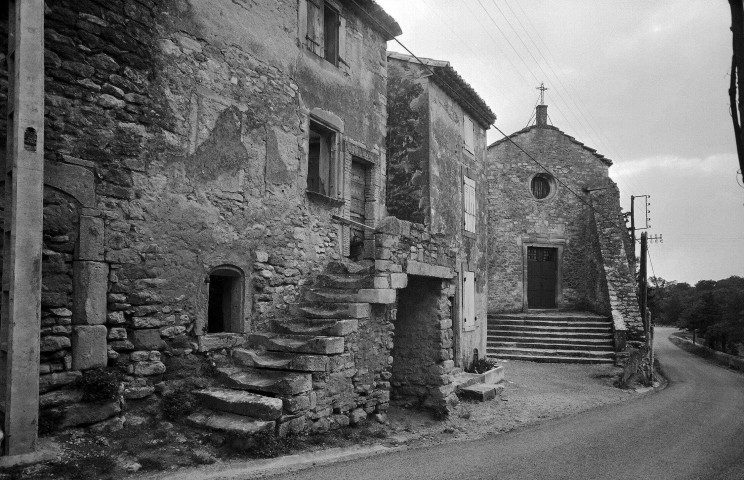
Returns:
<point x="551" y="336"/>
<point x="268" y="384"/>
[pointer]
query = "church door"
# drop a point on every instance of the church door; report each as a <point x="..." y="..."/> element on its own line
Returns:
<point x="541" y="277"/>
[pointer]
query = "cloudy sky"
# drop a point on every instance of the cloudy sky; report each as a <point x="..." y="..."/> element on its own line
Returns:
<point x="645" y="83"/>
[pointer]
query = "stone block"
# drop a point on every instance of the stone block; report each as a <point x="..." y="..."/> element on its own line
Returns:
<point x="56" y="380"/>
<point x="90" y="239"/>
<point x="88" y="413"/>
<point x="398" y="280"/>
<point x="53" y="343"/>
<point x="427" y="270"/>
<point x="89" y="348"/>
<point x="89" y="293"/>
<point x="241" y="403"/>
<point x="146" y="369"/>
<point x="382" y="281"/>
<point x="148" y="339"/>
<point x="357" y="416"/>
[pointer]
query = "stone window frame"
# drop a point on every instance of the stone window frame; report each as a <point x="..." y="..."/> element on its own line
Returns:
<point x="236" y="321"/>
<point x="332" y="125"/>
<point x="559" y="245"/>
<point x="552" y="183"/>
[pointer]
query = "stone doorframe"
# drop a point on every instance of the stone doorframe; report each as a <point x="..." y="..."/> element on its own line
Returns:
<point x="90" y="270"/>
<point x="558" y="244"/>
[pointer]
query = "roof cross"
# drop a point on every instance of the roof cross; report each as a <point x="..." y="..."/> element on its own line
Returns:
<point x="542" y="89"/>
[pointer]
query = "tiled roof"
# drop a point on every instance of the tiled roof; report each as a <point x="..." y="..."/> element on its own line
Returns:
<point x="599" y="156"/>
<point x="381" y="21"/>
<point x="451" y="82"/>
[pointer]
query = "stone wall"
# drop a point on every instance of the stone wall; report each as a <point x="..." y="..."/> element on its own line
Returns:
<point x="563" y="221"/>
<point x="180" y="130"/>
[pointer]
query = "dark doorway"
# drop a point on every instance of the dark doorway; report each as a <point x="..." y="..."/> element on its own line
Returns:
<point x="358" y="206"/>
<point x="541" y="277"/>
<point x="225" y="300"/>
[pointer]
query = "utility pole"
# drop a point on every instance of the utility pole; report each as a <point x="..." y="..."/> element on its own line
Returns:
<point x="643" y="289"/>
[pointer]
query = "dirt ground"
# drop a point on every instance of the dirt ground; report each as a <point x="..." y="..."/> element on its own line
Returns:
<point x="533" y="392"/>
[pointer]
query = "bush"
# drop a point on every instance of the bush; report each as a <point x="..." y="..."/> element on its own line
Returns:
<point x="100" y="384"/>
<point x="482" y="365"/>
<point x="178" y="404"/>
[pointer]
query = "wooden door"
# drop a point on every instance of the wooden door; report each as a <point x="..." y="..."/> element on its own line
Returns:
<point x="358" y="206"/>
<point x="541" y="277"/>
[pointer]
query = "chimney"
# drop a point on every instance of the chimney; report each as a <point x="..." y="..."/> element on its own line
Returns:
<point x="542" y="115"/>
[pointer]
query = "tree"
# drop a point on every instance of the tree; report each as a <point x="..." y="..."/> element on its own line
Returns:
<point x="736" y="87"/>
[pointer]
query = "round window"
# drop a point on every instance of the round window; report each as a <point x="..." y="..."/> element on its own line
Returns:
<point x="540" y="186"/>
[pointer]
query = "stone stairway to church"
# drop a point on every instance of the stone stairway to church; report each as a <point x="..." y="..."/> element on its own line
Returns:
<point x="267" y="385"/>
<point x="551" y="336"/>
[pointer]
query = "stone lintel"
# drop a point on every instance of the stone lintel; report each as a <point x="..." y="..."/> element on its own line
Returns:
<point x="427" y="270"/>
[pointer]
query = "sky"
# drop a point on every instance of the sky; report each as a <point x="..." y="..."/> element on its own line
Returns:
<point x="645" y="83"/>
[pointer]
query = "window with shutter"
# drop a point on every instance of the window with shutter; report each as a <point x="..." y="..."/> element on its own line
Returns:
<point x="469" y="204"/>
<point x="468" y="134"/>
<point x="324" y="35"/>
<point x="323" y="166"/>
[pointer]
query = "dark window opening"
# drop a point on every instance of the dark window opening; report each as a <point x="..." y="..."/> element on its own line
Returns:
<point x="225" y="300"/>
<point x="330" y="34"/>
<point x="320" y="161"/>
<point x="29" y="139"/>
<point x="540" y="187"/>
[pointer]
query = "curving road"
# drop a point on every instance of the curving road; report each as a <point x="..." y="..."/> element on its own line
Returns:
<point x="693" y="429"/>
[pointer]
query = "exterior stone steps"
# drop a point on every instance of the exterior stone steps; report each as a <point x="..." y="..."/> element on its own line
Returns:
<point x="362" y="295"/>
<point x="505" y="346"/>
<point x="552" y="359"/>
<point x="298" y="343"/>
<point x="260" y="358"/>
<point x="275" y="382"/>
<point x="332" y="327"/>
<point x="241" y="403"/>
<point x="349" y="267"/>
<point x="331" y="310"/>
<point x="551" y="336"/>
<point x="230" y="423"/>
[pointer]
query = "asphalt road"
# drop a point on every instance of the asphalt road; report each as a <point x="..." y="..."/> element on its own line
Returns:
<point x="693" y="429"/>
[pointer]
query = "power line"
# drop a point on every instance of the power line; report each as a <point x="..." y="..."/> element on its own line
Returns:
<point x="622" y="229"/>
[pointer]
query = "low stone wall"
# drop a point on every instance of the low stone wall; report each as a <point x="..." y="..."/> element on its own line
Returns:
<point x="731" y="361"/>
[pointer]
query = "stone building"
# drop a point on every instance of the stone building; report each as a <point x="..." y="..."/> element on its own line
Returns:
<point x="437" y="177"/>
<point x="555" y="244"/>
<point x="214" y="188"/>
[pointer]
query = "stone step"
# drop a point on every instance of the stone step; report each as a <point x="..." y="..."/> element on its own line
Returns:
<point x="349" y="267"/>
<point x="281" y="360"/>
<point x="546" y="352"/>
<point x="362" y="295"/>
<point x="550" y="315"/>
<point x="605" y="347"/>
<point x="343" y="281"/>
<point x="266" y="381"/>
<point x="332" y="327"/>
<point x="549" y="323"/>
<point x="549" y="359"/>
<point x="331" y="310"/>
<point x="241" y="403"/>
<point x="481" y="392"/>
<point x="551" y="334"/>
<point x="279" y="342"/>
<point x="230" y="423"/>
<point x="579" y="339"/>
<point x="549" y="328"/>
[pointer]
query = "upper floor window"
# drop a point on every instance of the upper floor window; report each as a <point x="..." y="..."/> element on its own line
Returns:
<point x="324" y="33"/>
<point x="468" y="134"/>
<point x="469" y="204"/>
<point x="322" y="161"/>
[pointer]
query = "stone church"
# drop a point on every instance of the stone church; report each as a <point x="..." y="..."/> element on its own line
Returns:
<point x="561" y="264"/>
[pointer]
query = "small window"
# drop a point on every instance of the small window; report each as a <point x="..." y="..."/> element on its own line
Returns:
<point x="323" y="25"/>
<point x="225" y="307"/>
<point x="321" y="160"/>
<point x="540" y="186"/>
<point x="468" y="134"/>
<point x="469" y="204"/>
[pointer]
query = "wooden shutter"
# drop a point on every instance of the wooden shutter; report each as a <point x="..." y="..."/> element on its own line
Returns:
<point x="315" y="26"/>
<point x="468" y="134"/>
<point x="469" y="204"/>
<point x="468" y="301"/>
<point x="342" y="44"/>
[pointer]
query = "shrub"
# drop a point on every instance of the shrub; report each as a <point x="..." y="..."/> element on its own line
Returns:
<point x="100" y="385"/>
<point x="49" y="420"/>
<point x="178" y="404"/>
<point x="482" y="365"/>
